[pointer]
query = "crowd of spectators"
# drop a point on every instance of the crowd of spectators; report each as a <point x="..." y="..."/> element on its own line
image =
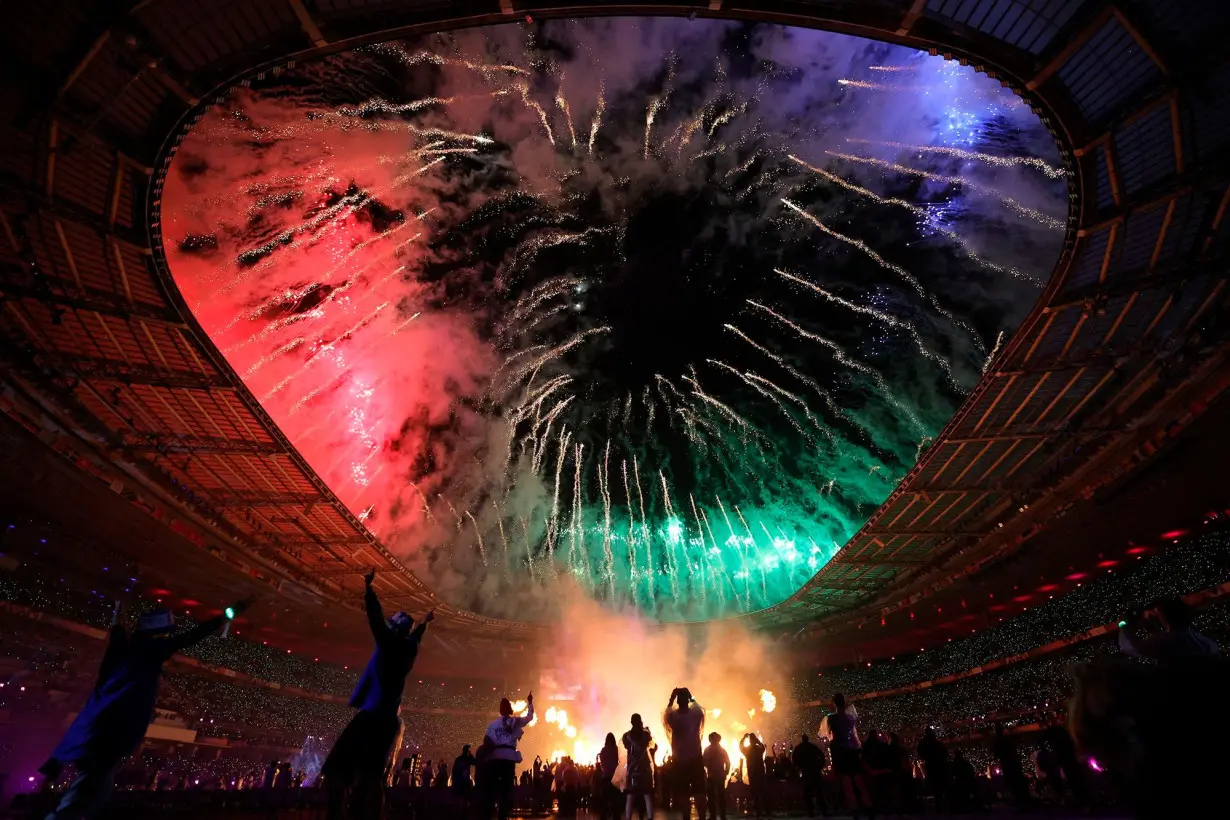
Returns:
<point x="1197" y="563"/>
<point x="47" y="668"/>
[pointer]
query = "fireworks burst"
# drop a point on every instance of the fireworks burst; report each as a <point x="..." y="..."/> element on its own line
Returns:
<point x="561" y="314"/>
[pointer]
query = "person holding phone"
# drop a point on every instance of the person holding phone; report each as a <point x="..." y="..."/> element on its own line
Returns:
<point x="116" y="716"/>
<point x="684" y="725"/>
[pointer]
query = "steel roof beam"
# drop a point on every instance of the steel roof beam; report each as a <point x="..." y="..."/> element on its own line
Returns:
<point x="94" y="303"/>
<point x="206" y="446"/>
<point x="887" y="562"/>
<point x="888" y="531"/>
<point x="278" y="539"/>
<point x="93" y="369"/>
<point x="226" y="500"/>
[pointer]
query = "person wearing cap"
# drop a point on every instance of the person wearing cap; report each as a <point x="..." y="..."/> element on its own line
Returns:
<point x="356" y="764"/>
<point x="116" y="716"/>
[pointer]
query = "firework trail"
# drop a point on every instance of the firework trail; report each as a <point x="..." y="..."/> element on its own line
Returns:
<point x="562" y="103"/>
<point x="596" y="123"/>
<point x="879" y="86"/>
<point x="924" y="215"/>
<point x="878" y="315"/>
<point x="651" y="114"/>
<point x="820" y="391"/>
<point x="377" y="106"/>
<point x="825" y="431"/>
<point x="1017" y="207"/>
<point x="897" y="269"/>
<point x="323" y="350"/>
<point x="776" y="402"/>
<point x="999" y="340"/>
<point x="524" y="90"/>
<point x="839" y="355"/>
<point x="478" y="535"/>
<point x="990" y="159"/>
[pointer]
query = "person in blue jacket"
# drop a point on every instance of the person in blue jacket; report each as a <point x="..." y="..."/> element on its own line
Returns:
<point x="116" y="716"/>
<point x="356" y="764"/>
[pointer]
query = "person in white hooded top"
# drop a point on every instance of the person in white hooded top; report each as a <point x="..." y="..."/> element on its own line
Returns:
<point x="500" y="755"/>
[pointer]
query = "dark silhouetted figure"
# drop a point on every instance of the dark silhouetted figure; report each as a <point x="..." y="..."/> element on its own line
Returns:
<point x="757" y="775"/>
<point x="638" y="742"/>
<point x="934" y="755"/>
<point x="116" y="716"/>
<point x="964" y="783"/>
<point x="847" y="757"/>
<point x="684" y="725"/>
<point x="1177" y="642"/>
<point x="463" y="764"/>
<point x="1010" y="766"/>
<point x="1074" y="771"/>
<point x="903" y="772"/>
<point x="355" y="767"/>
<point x="609" y="802"/>
<point x="809" y="760"/>
<point x="717" y="769"/>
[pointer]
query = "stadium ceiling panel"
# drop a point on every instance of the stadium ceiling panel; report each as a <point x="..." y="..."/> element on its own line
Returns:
<point x="97" y="340"/>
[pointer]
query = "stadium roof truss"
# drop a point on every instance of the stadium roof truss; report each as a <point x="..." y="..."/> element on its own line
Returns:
<point x="98" y="337"/>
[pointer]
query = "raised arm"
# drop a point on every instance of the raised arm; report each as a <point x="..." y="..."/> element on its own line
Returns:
<point x="117" y="614"/>
<point x="417" y="634"/>
<point x="203" y="630"/>
<point x="667" y="711"/>
<point x="117" y="639"/>
<point x="371" y="605"/>
<point x="196" y="634"/>
<point x="528" y="717"/>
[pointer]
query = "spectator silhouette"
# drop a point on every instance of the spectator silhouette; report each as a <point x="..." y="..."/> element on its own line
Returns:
<point x="501" y="757"/>
<point x="637" y="742"/>
<point x="607" y="793"/>
<point x="809" y="760"/>
<point x="356" y="764"/>
<point x="717" y="768"/>
<point x="753" y="753"/>
<point x="684" y="725"/>
<point x="1178" y="639"/>
<point x="116" y="716"/>
<point x="934" y="756"/>
<point x="847" y="757"/>
<point x="1009" y="760"/>
<point x="463" y="764"/>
